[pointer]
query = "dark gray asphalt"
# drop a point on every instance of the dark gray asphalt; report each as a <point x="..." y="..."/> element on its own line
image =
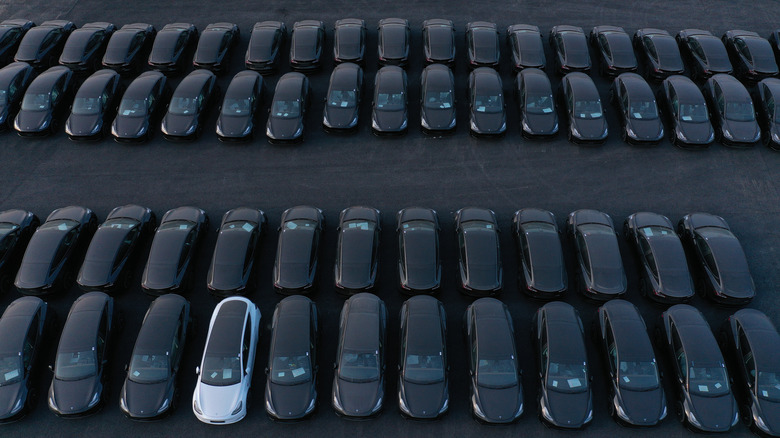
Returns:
<point x="335" y="172"/>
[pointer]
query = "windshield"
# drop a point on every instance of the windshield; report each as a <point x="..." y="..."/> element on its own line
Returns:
<point x="121" y="223"/>
<point x="7" y="228"/>
<point x="424" y="368"/>
<point x="567" y="377"/>
<point x="708" y="381"/>
<point x="286" y="109"/>
<point x="648" y="232"/>
<point x="740" y="111"/>
<point x="358" y="366"/>
<point x="36" y="102"/>
<point x="86" y="106"/>
<point x="298" y="223"/>
<point x="589" y="229"/>
<point x="149" y="368"/>
<point x="643" y="110"/>
<point x="439" y="99"/>
<point x="237" y="107"/>
<point x="769" y="385"/>
<point x="587" y="109"/>
<point x="488" y="104"/>
<point x="291" y="369"/>
<point x="10" y="369"/>
<point x="390" y="101"/>
<point x="497" y="373"/>
<point x="342" y="99"/>
<point x="476" y="225"/>
<point x="696" y="113"/>
<point x="540" y="227"/>
<point x="183" y="106"/>
<point x="240" y="225"/>
<point x="359" y="224"/>
<point x="76" y="365"/>
<point x="60" y="224"/>
<point x="539" y="103"/>
<point x="638" y="375"/>
<point x="176" y="225"/>
<point x="132" y="107"/>
<point x="221" y="370"/>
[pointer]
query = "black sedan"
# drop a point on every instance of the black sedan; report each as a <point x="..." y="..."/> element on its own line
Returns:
<point x="189" y="105"/>
<point x="393" y="47"/>
<point x="110" y="258"/>
<point x="600" y="273"/>
<point x="16" y="229"/>
<point x="11" y="34"/>
<point x="291" y="388"/>
<point x="660" y="53"/>
<point x="437" y="106"/>
<point x="541" y="263"/>
<point x="85" y="46"/>
<point x="141" y="107"/>
<point x="238" y="113"/>
<point x="750" y="55"/>
<point x="482" y="44"/>
<point x="357" y="253"/>
<point x="170" y="47"/>
<point x="265" y="43"/>
<point x="128" y="47"/>
<point x="49" y="263"/>
<point x="687" y="112"/>
<point x="292" y="97"/>
<point x="639" y="117"/>
<point x="705" y="53"/>
<point x="150" y="389"/>
<point x="635" y="392"/>
<point x="235" y="251"/>
<point x="419" y="262"/>
<point x="45" y="103"/>
<point x="41" y="45"/>
<point x="704" y="399"/>
<point x="733" y="115"/>
<point x="720" y="267"/>
<point x="439" y="41"/>
<point x="94" y="106"/>
<point x="22" y="329"/>
<point x="565" y="396"/>
<point x="390" y="114"/>
<point x="614" y="46"/>
<point x="527" y="46"/>
<point x="297" y="253"/>
<point x="308" y="37"/>
<point x="170" y="266"/>
<point x="768" y="114"/>
<point x="663" y="271"/>
<point x="487" y="109"/>
<point x="215" y="45"/>
<point x="580" y="96"/>
<point x="349" y="41"/>
<point x="359" y="376"/>
<point x="535" y="103"/>
<point x="14" y="80"/>
<point x="342" y="103"/>
<point x="571" y="49"/>
<point x="479" y="260"/>
<point x="79" y="386"/>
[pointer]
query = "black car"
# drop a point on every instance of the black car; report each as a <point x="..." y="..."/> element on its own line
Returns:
<point x="291" y="388"/>
<point x="565" y="395"/>
<point x="11" y="34"/>
<point x="527" y="46"/>
<point x="423" y="383"/>
<point x="439" y="41"/>
<point x="41" y="45"/>
<point x="535" y="103"/>
<point x="94" y="106"/>
<point x="45" y="103"/>
<point x="141" y="107"/>
<point x="600" y="274"/>
<point x="308" y="37"/>
<point x="292" y="97"/>
<point x="540" y="253"/>
<point x="704" y="399"/>
<point x="705" y="53"/>
<point x="14" y="80"/>
<point x="215" y="45"/>
<point x="393" y="47"/>
<point x="639" y="117"/>
<point x="733" y="115"/>
<point x="479" y="255"/>
<point x="660" y="53"/>
<point x="349" y="41"/>
<point x="150" y="390"/>
<point x="750" y="54"/>
<point x="419" y="262"/>
<point x="359" y="376"/>
<point x="768" y="116"/>
<point x="390" y="113"/>
<point x="496" y="390"/>
<point x="487" y="109"/>
<point x="482" y="44"/>
<point x="190" y="103"/>
<point x="50" y="261"/>
<point x="170" y="47"/>
<point x="238" y="113"/>
<point x="357" y="253"/>
<point x="265" y="43"/>
<point x="110" y="258"/>
<point x="128" y="47"/>
<point x="634" y="390"/>
<point x="342" y="103"/>
<point x="581" y="99"/>
<point x="295" y="267"/>
<point x="687" y="112"/>
<point x="751" y="341"/>
<point x="720" y="267"/>
<point x="617" y="53"/>
<point x="170" y="266"/>
<point x="571" y="49"/>
<point x="16" y="229"/>
<point x="235" y="251"/>
<point x="80" y="383"/>
<point x="663" y="270"/>
<point x="437" y="106"/>
<point x="85" y="46"/>
<point x="22" y="329"/>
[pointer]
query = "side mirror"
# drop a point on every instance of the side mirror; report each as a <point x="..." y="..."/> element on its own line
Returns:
<point x="51" y="368"/>
<point x="267" y="370"/>
<point x="471" y="373"/>
<point x="398" y="368"/>
<point x="335" y="365"/>
<point x="247" y="370"/>
<point x="127" y="368"/>
<point x="197" y="371"/>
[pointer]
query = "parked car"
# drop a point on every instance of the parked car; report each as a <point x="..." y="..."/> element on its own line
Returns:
<point x="240" y="106"/>
<point x="292" y="98"/>
<point x="342" y="103"/>
<point x="14" y="80"/>
<point x="479" y="263"/>
<point x="540" y="254"/>
<point x="390" y="113"/>
<point x="705" y="53"/>
<point x="600" y="274"/>
<point x="768" y="116"/>
<point x="11" y="34"/>
<point x="215" y="46"/>
<point x="750" y="55"/>
<point x="733" y="115"/>
<point x="357" y="253"/>
<point x="419" y="262"/>
<point x="439" y="41"/>
<point x="16" y="229"/>
<point x="94" y="106"/>
<point x="297" y="254"/>
<point x="141" y="108"/>
<point x="235" y="252"/>
<point x="128" y="47"/>
<point x="349" y="41"/>
<point x="85" y="46"/>
<point x="487" y="109"/>
<point x="581" y="99"/>
<point x="45" y="103"/>
<point x="262" y="54"/>
<point x="308" y="37"/>
<point x="616" y="53"/>
<point x="535" y="103"/>
<point x="394" y="35"/>
<point x="571" y="49"/>
<point x="639" y="116"/>
<point x="527" y="46"/>
<point x="42" y="45"/>
<point x="437" y="106"/>
<point x="190" y="103"/>
<point x="482" y="44"/>
<point x="171" y="46"/>
<point x="660" y="53"/>
<point x="687" y="112"/>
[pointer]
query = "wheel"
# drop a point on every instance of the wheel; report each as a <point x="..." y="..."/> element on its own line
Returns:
<point x="32" y="398"/>
<point x="624" y="135"/>
<point x="570" y="137"/>
<point x="746" y="415"/>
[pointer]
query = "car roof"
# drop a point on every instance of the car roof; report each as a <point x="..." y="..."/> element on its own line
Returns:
<point x="636" y="86"/>
<point x="535" y="78"/>
<point x="194" y="82"/>
<point x="697" y="339"/>
<point x="227" y="327"/>
<point x="83" y="320"/>
<point x="494" y="331"/>
<point x="73" y="212"/>
<point x="15" y="322"/>
<point x="476" y="214"/>
<point x="762" y="336"/>
<point x="647" y="219"/>
<point x="97" y="83"/>
<point x="160" y="324"/>
<point x="243" y="84"/>
<point x="141" y="86"/>
<point x="364" y="213"/>
<point x="301" y="212"/>
<point x="192" y="214"/>
<point x="416" y="214"/>
<point x="390" y="78"/>
<point x="629" y="330"/>
<point x="15" y="216"/>
<point x="46" y="80"/>
<point x="289" y="86"/>
<point x="293" y="326"/>
<point x="700" y="220"/>
<point x="732" y="88"/>
<point x="582" y="86"/>
<point x="526" y="215"/>
<point x="564" y="333"/>
<point x="685" y="88"/>
<point x="345" y="75"/>
<point x="361" y="328"/>
<point x="588" y="216"/>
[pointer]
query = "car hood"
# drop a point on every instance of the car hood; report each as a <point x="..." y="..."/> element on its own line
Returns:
<point x="9" y="395"/>
<point x="696" y="132"/>
<point x="770" y="413"/>
<point x="233" y="126"/>
<point x="439" y="118"/>
<point x="568" y="410"/>
<point x="743" y="131"/>
<point x="175" y="124"/>
<point x="341" y="117"/>
<point x="541" y="123"/>
<point x="289" y="401"/>
<point x="390" y="120"/>
<point x="284" y="128"/>
<point x="73" y="397"/>
<point x="424" y="400"/>
<point x="32" y="120"/>
<point x="590" y="128"/>
<point x="489" y="122"/>
<point x="359" y="399"/>
<point x="130" y="126"/>
<point x="714" y="413"/>
<point x="217" y="401"/>
<point x="499" y="404"/>
<point x="643" y="407"/>
<point x="647" y="129"/>
<point x="83" y="124"/>
<point x="145" y="399"/>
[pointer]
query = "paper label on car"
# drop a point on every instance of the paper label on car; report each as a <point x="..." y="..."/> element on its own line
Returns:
<point x="626" y="379"/>
<point x="574" y="383"/>
<point x="11" y="375"/>
<point x="718" y="385"/>
<point x="247" y="226"/>
<point x="227" y="373"/>
<point x="298" y="372"/>
<point x="704" y="388"/>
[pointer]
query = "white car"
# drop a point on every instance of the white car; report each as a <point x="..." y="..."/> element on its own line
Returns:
<point x="225" y="373"/>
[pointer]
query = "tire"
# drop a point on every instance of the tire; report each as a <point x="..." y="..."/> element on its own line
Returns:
<point x="679" y="411"/>
<point x="624" y="135"/>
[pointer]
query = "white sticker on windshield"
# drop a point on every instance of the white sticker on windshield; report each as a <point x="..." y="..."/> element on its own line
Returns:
<point x="214" y="374"/>
<point x="481" y="109"/>
<point x="11" y="375"/>
<point x="298" y="372"/>
<point x="247" y="226"/>
<point x="765" y="393"/>
<point x="62" y="227"/>
<point x="637" y="116"/>
<point x="718" y="385"/>
<point x="649" y="232"/>
<point x="626" y="379"/>
<point x="183" y="227"/>
<point x="686" y="118"/>
<point x="227" y="373"/>
<point x="704" y="388"/>
<point x="547" y="110"/>
<point x="280" y="374"/>
<point x="344" y="104"/>
<point x="555" y="383"/>
<point x="413" y="360"/>
<point x="136" y="373"/>
<point x="574" y="383"/>
<point x="445" y="105"/>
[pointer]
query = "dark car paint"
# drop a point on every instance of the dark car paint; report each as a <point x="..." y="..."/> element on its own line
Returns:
<point x="535" y="125"/>
<point x="291" y="86"/>
<point x="481" y="272"/>
<point x="129" y="47"/>
<point x="199" y="83"/>
<point x="730" y="132"/>
<point x="602" y="276"/>
<point x="349" y="41"/>
<point x="527" y="46"/>
<point x="705" y="53"/>
<point x="390" y="79"/>
<point x="570" y="48"/>
<point x="85" y="46"/>
<point x="435" y="78"/>
<point x="44" y="122"/>
<point x="417" y="276"/>
<point x="31" y="49"/>
<point x="19" y="75"/>
<point x="482" y="44"/>
<point x="232" y="264"/>
<point x="104" y="82"/>
<point x="484" y="123"/>
<point x="439" y="41"/>
<point x="11" y="34"/>
<point x="265" y="43"/>
<point x="766" y="110"/>
<point x="393" y="37"/>
<point x="751" y="55"/>
<point x="685" y="133"/>
<point x="237" y="127"/>
<point x="149" y="85"/>
<point x="614" y="47"/>
<point x="306" y="41"/>
<point x="215" y="45"/>
<point x="300" y="274"/>
<point x="579" y="86"/>
<point x="14" y="243"/>
<point x="357" y="254"/>
<point x="167" y="55"/>
<point x="660" y="53"/>
<point x="625" y="88"/>
<point x="540" y="255"/>
<point x="345" y="77"/>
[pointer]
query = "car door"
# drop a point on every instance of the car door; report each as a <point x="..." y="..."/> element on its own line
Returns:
<point x="582" y="251"/>
<point x="102" y="338"/>
<point x="247" y="355"/>
<point x="612" y="353"/>
<point x="544" y="352"/>
<point x="705" y="253"/>
<point x="647" y="254"/>
<point x="623" y="102"/>
<point x="30" y="343"/>
<point x="746" y="360"/>
<point x="680" y="361"/>
<point x="650" y="49"/>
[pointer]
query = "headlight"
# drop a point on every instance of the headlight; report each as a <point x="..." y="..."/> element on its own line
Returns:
<point x="190" y="130"/>
<point x="196" y="408"/>
<point x="526" y="127"/>
<point x="776" y="138"/>
<point x="337" y="402"/>
<point x="473" y="125"/>
<point x="424" y="123"/>
<point x="402" y="405"/>
<point x="452" y="123"/>
<point x="17" y="406"/>
<point x="269" y="407"/>
<point x="268" y="132"/>
<point x="123" y="404"/>
<point x="573" y="130"/>
<point x="143" y="129"/>
<point x="312" y="405"/>
<point x="589" y="417"/>
<point x="375" y="125"/>
<point x="378" y="406"/>
<point x="95" y="399"/>
<point x="45" y="123"/>
<point x="164" y="406"/>
<point x="247" y="130"/>
<point x="404" y="124"/>
<point x="219" y="130"/>
<point x="727" y="134"/>
<point x="619" y="410"/>
<point x="52" y="403"/>
<point x="445" y="406"/>
<point x="96" y="129"/>
<point x="477" y="410"/>
<point x="238" y="408"/>
<point x="691" y="416"/>
<point x="758" y="420"/>
<point x="630" y="132"/>
<point x="680" y="135"/>
<point x="503" y="127"/>
<point x="299" y="131"/>
<point x="663" y="413"/>
<point x="546" y="412"/>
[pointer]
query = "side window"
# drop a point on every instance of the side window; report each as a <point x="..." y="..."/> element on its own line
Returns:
<point x="462" y="246"/>
<point x="720" y="99"/>
<point x="314" y="249"/>
<point x="401" y="252"/>
<point x="624" y="97"/>
<point x="93" y="42"/>
<point x="14" y="86"/>
<point x="186" y="248"/>
<point x="583" y="248"/>
<point x="674" y="101"/>
<point x="180" y="42"/>
<point x="524" y="247"/>
<point x="605" y="46"/>
<point x="569" y="97"/>
<point x="246" y="343"/>
<point x="648" y="254"/>
<point x="49" y="40"/>
<point x="29" y="343"/>
<point x="743" y="49"/>
<point x="544" y="348"/>
<point x="651" y="48"/>
<point x="224" y="43"/>
<point x="770" y="102"/>
<point x="55" y="91"/>
<point x="250" y="251"/>
<point x="102" y="335"/>
<point x="136" y="44"/>
<point x="473" y="343"/>
<point x="375" y="248"/>
<point x="706" y="253"/>
<point x="124" y="247"/>
<point x="611" y="347"/>
<point x="175" y="347"/>
<point x="63" y="248"/>
<point x="679" y="353"/>
<point x="561" y="46"/>
<point x="747" y="356"/>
